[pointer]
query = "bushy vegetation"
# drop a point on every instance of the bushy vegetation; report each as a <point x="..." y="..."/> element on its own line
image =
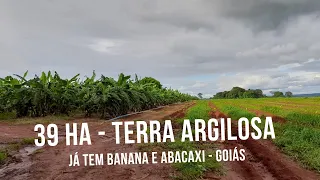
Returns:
<point x="280" y="94"/>
<point x="49" y="94"/>
<point x="238" y="92"/>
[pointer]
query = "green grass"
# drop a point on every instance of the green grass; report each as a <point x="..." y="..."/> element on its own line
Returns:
<point x="295" y="117"/>
<point x="7" y="115"/>
<point x="3" y="157"/>
<point x="194" y="170"/>
<point x="301" y="143"/>
<point x="27" y="141"/>
<point x="13" y="147"/>
<point x="303" y="105"/>
<point x="236" y="113"/>
<point x="199" y="111"/>
<point x="190" y="171"/>
<point x="299" y="137"/>
<point x="272" y="109"/>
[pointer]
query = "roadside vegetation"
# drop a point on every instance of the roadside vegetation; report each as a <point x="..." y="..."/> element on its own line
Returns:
<point x="298" y="137"/>
<point x="3" y="156"/>
<point x="196" y="170"/>
<point x="49" y="94"/>
<point x="190" y="170"/>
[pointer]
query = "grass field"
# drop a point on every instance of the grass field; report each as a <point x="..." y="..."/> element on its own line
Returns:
<point x="298" y="136"/>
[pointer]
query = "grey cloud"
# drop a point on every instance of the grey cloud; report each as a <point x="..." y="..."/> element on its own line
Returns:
<point x="260" y="15"/>
<point x="312" y="66"/>
<point x="174" y="19"/>
<point x="180" y="42"/>
<point x="266" y="14"/>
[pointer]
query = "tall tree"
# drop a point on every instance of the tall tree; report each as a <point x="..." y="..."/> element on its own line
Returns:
<point x="236" y="92"/>
<point x="288" y="94"/>
<point x="278" y="94"/>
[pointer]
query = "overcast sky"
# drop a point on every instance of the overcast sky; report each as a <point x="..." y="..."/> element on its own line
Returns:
<point x="191" y="45"/>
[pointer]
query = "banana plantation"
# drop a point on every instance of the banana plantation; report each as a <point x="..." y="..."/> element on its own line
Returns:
<point x="49" y="94"/>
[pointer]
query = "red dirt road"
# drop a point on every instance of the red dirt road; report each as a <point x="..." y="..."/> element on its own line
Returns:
<point x="52" y="162"/>
<point x="263" y="160"/>
<point x="12" y="133"/>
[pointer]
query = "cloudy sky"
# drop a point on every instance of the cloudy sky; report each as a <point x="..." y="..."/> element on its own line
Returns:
<point x="191" y="45"/>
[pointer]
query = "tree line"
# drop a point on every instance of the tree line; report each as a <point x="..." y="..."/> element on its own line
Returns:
<point x="238" y="92"/>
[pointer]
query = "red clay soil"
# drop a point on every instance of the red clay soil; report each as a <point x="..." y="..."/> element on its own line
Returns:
<point x="180" y="113"/>
<point x="263" y="160"/>
<point x="12" y="133"/>
<point x="52" y="162"/>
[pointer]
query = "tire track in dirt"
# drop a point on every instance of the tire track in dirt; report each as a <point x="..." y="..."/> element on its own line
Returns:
<point x="263" y="159"/>
<point x="249" y="169"/>
<point x="53" y="162"/>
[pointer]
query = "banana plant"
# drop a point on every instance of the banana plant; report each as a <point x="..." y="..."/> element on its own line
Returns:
<point x="107" y="97"/>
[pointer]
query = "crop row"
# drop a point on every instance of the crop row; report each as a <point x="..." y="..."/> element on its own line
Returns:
<point x="298" y="136"/>
<point x="49" y="94"/>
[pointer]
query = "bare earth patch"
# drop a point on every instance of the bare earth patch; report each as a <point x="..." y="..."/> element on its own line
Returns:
<point x="52" y="162"/>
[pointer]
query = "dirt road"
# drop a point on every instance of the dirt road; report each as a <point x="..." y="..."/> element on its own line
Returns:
<point x="52" y="162"/>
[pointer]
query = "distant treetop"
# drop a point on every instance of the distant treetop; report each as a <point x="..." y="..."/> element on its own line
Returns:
<point x="238" y="92"/>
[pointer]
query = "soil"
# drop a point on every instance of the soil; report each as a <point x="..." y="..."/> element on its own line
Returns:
<point x="13" y="133"/>
<point x="263" y="160"/>
<point x="53" y="162"/>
